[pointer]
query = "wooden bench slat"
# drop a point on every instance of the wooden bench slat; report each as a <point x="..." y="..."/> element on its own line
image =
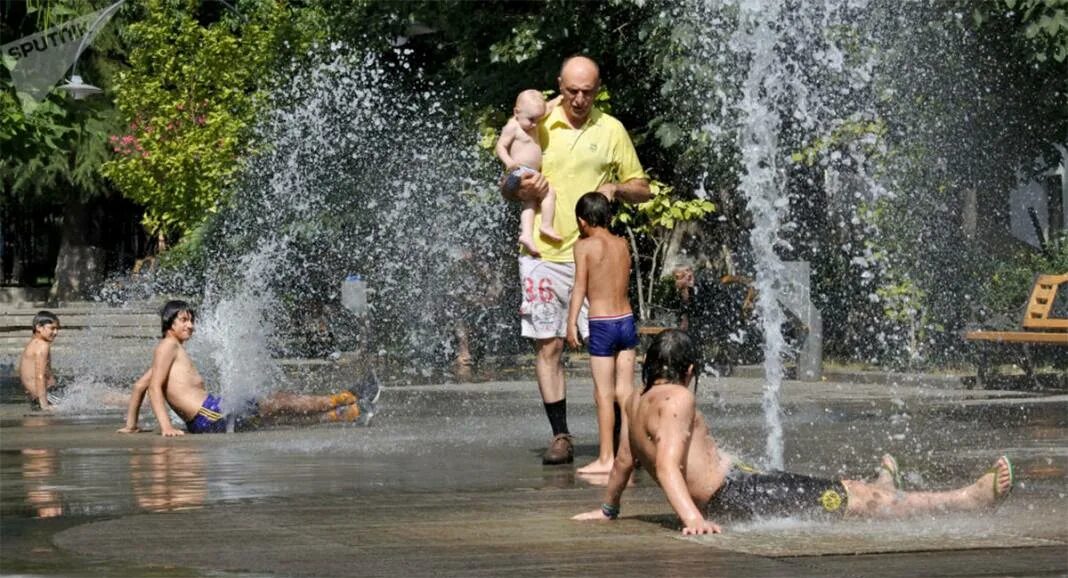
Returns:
<point x="1018" y="337"/>
<point x="1040" y="303"/>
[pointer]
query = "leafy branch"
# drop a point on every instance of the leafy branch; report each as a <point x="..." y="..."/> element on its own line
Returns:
<point x="657" y="220"/>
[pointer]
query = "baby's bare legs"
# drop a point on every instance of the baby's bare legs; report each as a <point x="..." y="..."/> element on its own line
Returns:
<point x="876" y="501"/>
<point x="548" y="211"/>
<point x="526" y="228"/>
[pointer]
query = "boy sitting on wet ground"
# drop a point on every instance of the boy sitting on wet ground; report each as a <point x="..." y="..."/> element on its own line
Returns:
<point x="173" y="381"/>
<point x="35" y="365"/>
<point x="602" y="275"/>
<point x="664" y="431"/>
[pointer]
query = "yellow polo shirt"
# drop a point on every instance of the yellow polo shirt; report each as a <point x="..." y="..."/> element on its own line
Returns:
<point x="575" y="162"/>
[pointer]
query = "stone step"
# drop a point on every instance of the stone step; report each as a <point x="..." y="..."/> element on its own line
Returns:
<point x="83" y="338"/>
<point x="97" y="359"/>
<point x="150" y="305"/>
<point x="83" y="325"/>
<point x="8" y="320"/>
<point x="79" y="334"/>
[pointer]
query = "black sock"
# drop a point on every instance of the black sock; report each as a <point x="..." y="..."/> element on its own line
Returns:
<point x="557" y="412"/>
<point x="617" y="427"/>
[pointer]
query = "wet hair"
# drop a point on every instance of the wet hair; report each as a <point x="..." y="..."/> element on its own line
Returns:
<point x="44" y="318"/>
<point x="595" y="209"/>
<point x="170" y="312"/>
<point x="671" y="354"/>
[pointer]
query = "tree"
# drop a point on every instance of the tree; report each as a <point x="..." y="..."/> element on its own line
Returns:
<point x="659" y="222"/>
<point x="53" y="151"/>
<point x="190" y="99"/>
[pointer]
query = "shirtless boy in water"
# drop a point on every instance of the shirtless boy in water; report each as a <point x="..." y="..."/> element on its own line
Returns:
<point x="173" y="381"/>
<point x="520" y="151"/>
<point x="669" y="436"/>
<point x="35" y="365"/>
<point x="602" y="275"/>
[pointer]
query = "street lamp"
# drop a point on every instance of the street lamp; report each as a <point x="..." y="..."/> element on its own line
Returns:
<point x="77" y="88"/>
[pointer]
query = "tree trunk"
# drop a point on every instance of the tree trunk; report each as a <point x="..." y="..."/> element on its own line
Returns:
<point x="637" y="273"/>
<point x="969" y="213"/>
<point x="80" y="265"/>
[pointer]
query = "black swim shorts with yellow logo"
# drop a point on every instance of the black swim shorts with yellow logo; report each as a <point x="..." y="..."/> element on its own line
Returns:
<point x="748" y="493"/>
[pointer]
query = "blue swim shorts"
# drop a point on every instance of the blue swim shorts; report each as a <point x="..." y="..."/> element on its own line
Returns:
<point x="210" y="419"/>
<point x="610" y="335"/>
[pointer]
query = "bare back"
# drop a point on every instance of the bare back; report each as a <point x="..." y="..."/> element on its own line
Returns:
<point x="607" y="263"/>
<point x="669" y="407"/>
<point x="183" y="387"/>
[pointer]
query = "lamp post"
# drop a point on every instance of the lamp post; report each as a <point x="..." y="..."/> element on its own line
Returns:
<point x="75" y="85"/>
<point x="77" y="88"/>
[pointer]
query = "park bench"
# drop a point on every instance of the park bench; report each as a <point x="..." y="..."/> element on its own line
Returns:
<point x="1045" y="325"/>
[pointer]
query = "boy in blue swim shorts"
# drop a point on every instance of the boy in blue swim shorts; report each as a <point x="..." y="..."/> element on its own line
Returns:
<point x="602" y="275"/>
<point x="173" y="381"/>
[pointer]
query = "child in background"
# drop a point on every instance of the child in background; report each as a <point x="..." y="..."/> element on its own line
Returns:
<point x="35" y="365"/>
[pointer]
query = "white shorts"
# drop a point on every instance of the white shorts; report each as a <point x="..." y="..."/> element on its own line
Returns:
<point x="546" y="295"/>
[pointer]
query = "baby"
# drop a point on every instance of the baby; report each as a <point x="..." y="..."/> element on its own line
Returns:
<point x="519" y="150"/>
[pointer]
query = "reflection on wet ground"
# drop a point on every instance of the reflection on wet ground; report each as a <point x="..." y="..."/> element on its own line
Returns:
<point x="453" y="450"/>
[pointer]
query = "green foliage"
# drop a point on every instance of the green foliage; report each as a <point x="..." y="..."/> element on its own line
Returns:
<point x="662" y="212"/>
<point x="867" y="133"/>
<point x="1007" y="289"/>
<point x="55" y="152"/>
<point x="1043" y="24"/>
<point x="190" y="97"/>
<point x="904" y="304"/>
<point x="523" y="44"/>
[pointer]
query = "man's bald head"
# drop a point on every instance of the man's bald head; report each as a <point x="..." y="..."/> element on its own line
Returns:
<point x="580" y="65"/>
<point x="580" y="79"/>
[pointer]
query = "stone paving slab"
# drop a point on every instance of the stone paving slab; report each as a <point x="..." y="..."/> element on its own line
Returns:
<point x="1041" y="522"/>
<point x="447" y="482"/>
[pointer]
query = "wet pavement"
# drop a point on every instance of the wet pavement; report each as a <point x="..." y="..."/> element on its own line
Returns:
<point x="447" y="481"/>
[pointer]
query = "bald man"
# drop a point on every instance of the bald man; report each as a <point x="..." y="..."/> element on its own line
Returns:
<point x="583" y="150"/>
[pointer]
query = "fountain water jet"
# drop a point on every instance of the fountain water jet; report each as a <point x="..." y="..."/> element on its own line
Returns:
<point x="786" y="81"/>
<point x="361" y="167"/>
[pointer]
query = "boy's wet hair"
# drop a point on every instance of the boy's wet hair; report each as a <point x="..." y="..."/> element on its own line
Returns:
<point x="595" y="209"/>
<point x="44" y="318"/>
<point x="170" y="312"/>
<point x="670" y="355"/>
